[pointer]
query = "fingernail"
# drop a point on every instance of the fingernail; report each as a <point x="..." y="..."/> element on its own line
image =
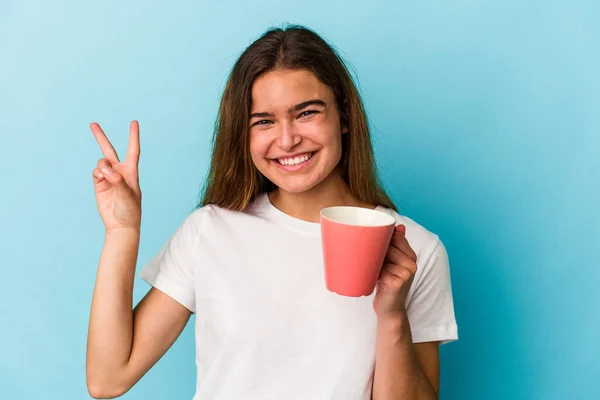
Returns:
<point x="106" y="171"/>
<point x="401" y="228"/>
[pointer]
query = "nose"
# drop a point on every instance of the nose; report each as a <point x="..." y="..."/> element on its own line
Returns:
<point x="288" y="137"/>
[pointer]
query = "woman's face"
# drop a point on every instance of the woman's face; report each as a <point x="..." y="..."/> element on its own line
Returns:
<point x="295" y="132"/>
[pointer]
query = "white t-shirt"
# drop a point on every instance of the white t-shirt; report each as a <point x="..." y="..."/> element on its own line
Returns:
<point x="266" y="326"/>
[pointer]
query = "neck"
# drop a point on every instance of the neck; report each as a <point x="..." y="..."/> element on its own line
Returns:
<point x="307" y="205"/>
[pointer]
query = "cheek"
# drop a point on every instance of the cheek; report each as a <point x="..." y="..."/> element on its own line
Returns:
<point x="331" y="130"/>
<point x="331" y="138"/>
<point x="325" y="133"/>
<point x="258" y="146"/>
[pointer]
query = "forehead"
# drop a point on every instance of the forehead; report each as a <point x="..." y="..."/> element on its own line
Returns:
<point x="285" y="88"/>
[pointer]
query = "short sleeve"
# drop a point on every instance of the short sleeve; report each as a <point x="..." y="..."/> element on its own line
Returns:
<point x="430" y="307"/>
<point x="171" y="269"/>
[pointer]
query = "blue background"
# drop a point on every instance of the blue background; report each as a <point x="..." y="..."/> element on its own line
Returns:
<point x="486" y="120"/>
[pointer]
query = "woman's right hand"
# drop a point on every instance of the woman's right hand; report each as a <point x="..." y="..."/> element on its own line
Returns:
<point x="116" y="183"/>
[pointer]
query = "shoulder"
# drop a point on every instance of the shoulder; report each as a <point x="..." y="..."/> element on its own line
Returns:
<point x="212" y="216"/>
<point x="209" y="216"/>
<point x="421" y="239"/>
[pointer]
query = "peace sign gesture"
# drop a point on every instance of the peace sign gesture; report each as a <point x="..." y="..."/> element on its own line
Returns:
<point x="116" y="183"/>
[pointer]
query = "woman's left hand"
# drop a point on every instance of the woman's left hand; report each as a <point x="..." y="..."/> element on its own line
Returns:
<point x="396" y="276"/>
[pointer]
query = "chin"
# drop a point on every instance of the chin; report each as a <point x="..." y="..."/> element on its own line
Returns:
<point x="297" y="184"/>
<point x="295" y="188"/>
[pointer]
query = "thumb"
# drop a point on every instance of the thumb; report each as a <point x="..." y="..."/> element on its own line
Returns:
<point x="117" y="180"/>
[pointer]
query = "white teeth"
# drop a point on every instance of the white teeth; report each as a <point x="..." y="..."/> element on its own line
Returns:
<point x="295" y="160"/>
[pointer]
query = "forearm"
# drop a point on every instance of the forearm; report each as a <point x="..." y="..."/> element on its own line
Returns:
<point x="111" y="319"/>
<point x="398" y="374"/>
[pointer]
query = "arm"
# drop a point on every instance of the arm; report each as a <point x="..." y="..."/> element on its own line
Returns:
<point x="404" y="370"/>
<point x="124" y="344"/>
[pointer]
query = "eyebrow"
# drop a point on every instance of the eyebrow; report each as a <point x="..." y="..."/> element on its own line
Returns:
<point x="296" y="108"/>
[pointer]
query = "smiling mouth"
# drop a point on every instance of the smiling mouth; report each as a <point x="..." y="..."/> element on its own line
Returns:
<point x="297" y="160"/>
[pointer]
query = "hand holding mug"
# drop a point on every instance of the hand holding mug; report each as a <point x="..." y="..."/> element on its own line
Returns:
<point x="396" y="276"/>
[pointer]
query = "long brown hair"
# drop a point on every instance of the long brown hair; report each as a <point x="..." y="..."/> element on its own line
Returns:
<point x="233" y="180"/>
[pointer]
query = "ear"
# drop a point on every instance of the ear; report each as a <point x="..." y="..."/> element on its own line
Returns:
<point x="344" y="129"/>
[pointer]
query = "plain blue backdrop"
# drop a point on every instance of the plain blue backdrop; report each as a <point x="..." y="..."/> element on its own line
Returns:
<point x="486" y="123"/>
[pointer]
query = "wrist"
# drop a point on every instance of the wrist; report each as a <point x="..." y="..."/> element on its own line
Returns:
<point x="393" y="326"/>
<point x="123" y="235"/>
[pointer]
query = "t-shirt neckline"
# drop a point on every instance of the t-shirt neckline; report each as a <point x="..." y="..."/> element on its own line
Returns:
<point x="299" y="224"/>
<point x="276" y="214"/>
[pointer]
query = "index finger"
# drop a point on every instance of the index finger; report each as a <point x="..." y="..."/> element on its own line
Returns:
<point x="401" y="243"/>
<point x="107" y="149"/>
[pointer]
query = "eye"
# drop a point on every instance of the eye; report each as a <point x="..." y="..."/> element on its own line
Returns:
<point x="262" y="122"/>
<point x="308" y="112"/>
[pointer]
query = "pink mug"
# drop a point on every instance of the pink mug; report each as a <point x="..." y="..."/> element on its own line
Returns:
<point x="355" y="242"/>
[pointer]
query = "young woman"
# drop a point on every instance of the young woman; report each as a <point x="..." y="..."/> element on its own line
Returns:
<point x="292" y="138"/>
